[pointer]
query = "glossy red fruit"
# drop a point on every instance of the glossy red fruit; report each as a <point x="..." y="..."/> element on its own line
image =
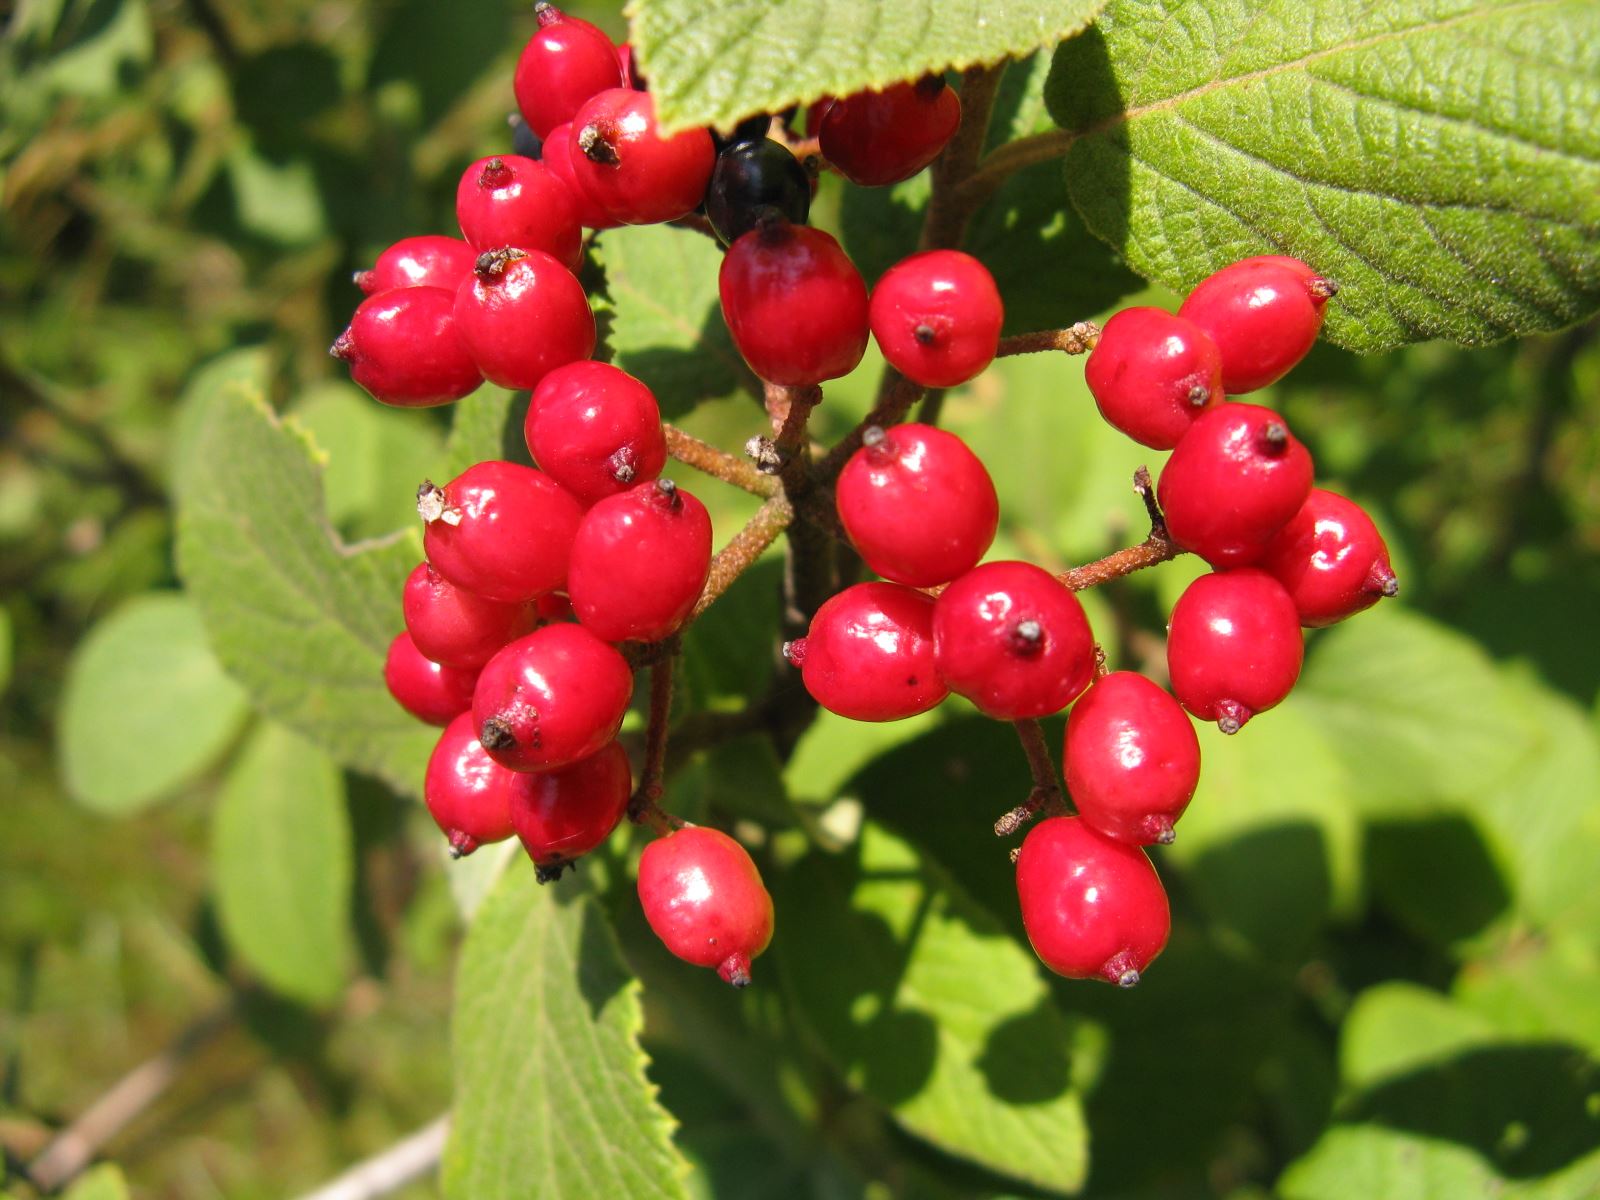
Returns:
<point x="1093" y="908"/>
<point x="500" y="530"/>
<point x="1234" y="480"/>
<point x="704" y="898"/>
<point x="467" y="792"/>
<point x="1131" y="759"/>
<point x="553" y="606"/>
<point x="508" y="200"/>
<point x="426" y="261"/>
<point x="551" y="698"/>
<point x="1263" y="313"/>
<point x="869" y="654"/>
<point x="559" y="149"/>
<point x="405" y="348"/>
<point x="630" y="67"/>
<point x="423" y="688"/>
<point x="917" y="504"/>
<point x="522" y="315"/>
<point x="1234" y="646"/>
<point x="639" y="562"/>
<point x="455" y="627"/>
<point x="876" y="138"/>
<point x="567" y="61"/>
<point x="596" y="430"/>
<point x="1152" y="374"/>
<point x="631" y="171"/>
<point x="937" y="316"/>
<point x="1011" y="637"/>
<point x="1331" y="559"/>
<point x="563" y="814"/>
<point x="795" y="304"/>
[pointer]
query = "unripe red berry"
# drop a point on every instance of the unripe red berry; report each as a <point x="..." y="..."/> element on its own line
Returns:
<point x="567" y="61"/>
<point x="596" y="430"/>
<point x="704" y="898"/>
<point x="426" y="261"/>
<point x="512" y="201"/>
<point x="877" y="138"/>
<point x="1152" y="374"/>
<point x="1331" y="559"/>
<point x="869" y="654"/>
<point x="426" y="690"/>
<point x="522" y="315"/>
<point x="467" y="792"/>
<point x="1234" y="646"/>
<point x="559" y="150"/>
<point x="917" y="504"/>
<point x="639" y="562"/>
<point x="406" y="349"/>
<point x="1264" y="315"/>
<point x="563" y="814"/>
<point x="937" y="316"/>
<point x="1131" y="759"/>
<point x="1093" y="908"/>
<point x="629" y="169"/>
<point x="455" y="627"/>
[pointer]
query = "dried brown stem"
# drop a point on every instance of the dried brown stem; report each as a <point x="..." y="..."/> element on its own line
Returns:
<point x="703" y="456"/>
<point x="891" y="409"/>
<point x="741" y="552"/>
<point x="1156" y="548"/>
<point x="1074" y="339"/>
<point x="644" y="808"/>
<point x="390" y="1169"/>
<point x="949" y="209"/>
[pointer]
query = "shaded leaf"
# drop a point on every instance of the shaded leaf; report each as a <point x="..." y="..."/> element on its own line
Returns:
<point x="104" y="1182"/>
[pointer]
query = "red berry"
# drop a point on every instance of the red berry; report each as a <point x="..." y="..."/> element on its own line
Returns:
<point x="559" y="149"/>
<point x="563" y="814"/>
<point x="937" y="317"/>
<point x="875" y="138"/>
<point x="455" y="627"/>
<point x="918" y="505"/>
<point x="1012" y="638"/>
<point x="629" y="169"/>
<point x="869" y="654"/>
<point x="405" y="348"/>
<point x="1331" y="559"/>
<point x="1152" y="374"/>
<point x="553" y="606"/>
<point x="551" y="698"/>
<point x="423" y="688"/>
<point x="564" y="63"/>
<point x="468" y="793"/>
<point x="595" y="430"/>
<point x="639" y="562"/>
<point x="1234" y="480"/>
<point x="1263" y="313"/>
<point x="522" y="315"/>
<point x="1131" y="759"/>
<point x="704" y="898"/>
<point x="629" y="67"/>
<point x="500" y="530"/>
<point x="1093" y="908"/>
<point x="512" y="201"/>
<point x="426" y="261"/>
<point x="795" y="304"/>
<point x="1234" y="646"/>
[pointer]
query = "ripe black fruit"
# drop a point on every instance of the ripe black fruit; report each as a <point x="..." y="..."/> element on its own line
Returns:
<point x="752" y="178"/>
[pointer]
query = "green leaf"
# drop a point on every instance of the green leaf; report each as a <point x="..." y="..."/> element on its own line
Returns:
<point x="711" y="62"/>
<point x="276" y="201"/>
<point x="1394" y="1028"/>
<point x="104" y="1182"/>
<point x="6" y="650"/>
<point x="280" y="861"/>
<point x="1425" y="154"/>
<point x="1369" y="1160"/>
<point x="146" y="707"/>
<point x="551" y="1095"/>
<point x="487" y="424"/>
<point x="1539" y="988"/>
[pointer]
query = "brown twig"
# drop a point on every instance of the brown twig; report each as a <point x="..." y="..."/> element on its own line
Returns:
<point x="1047" y="794"/>
<point x="890" y="410"/>
<point x="390" y="1169"/>
<point x="1074" y="339"/>
<point x="702" y="456"/>
<point x="1158" y="547"/>
<point x="949" y="209"/>
<point x="1005" y="161"/>
<point x="644" y="807"/>
<point x="741" y="552"/>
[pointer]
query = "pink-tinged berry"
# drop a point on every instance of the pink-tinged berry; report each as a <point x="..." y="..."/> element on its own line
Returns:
<point x="703" y="897"/>
<point x="429" y="692"/>
<point x="877" y="138"/>
<point x="1331" y="559"/>
<point x="405" y="348"/>
<point x="512" y="201"/>
<point x="595" y="430"/>
<point x="1131" y="759"/>
<point x="500" y="530"/>
<point x="1234" y="646"/>
<point x="467" y="792"/>
<point x="1264" y="315"/>
<point x="917" y="504"/>
<point x="563" y="814"/>
<point x="1013" y="639"/>
<point x="1152" y="374"/>
<point x="455" y="627"/>
<point x="1235" y="479"/>
<point x="522" y="314"/>
<point x="567" y="61"/>
<point x="937" y="316"/>
<point x="639" y="562"/>
<point x="559" y="149"/>
<point x="427" y="261"/>
<point x="629" y="169"/>
<point x="869" y="654"/>
<point x="1093" y="908"/>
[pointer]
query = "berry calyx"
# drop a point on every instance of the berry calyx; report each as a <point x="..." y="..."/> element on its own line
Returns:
<point x="629" y="169"/>
<point x="937" y="316"/>
<point x="703" y="897"/>
<point x="512" y="201"/>
<point x="559" y="149"/>
<point x="405" y="348"/>
<point x="455" y="627"/>
<point x="868" y="654"/>
<point x="565" y="63"/>
<point x="1131" y="759"/>
<point x="500" y="530"/>
<point x="427" y="261"/>
<point x="1331" y="559"/>
<point x="754" y="177"/>
<point x="1152" y="373"/>
<point x="429" y="692"/>
<point x="468" y="794"/>
<point x="522" y="314"/>
<point x="1263" y="314"/>
<point x="878" y="138"/>
<point x="1234" y="646"/>
<point x="563" y="814"/>
<point x="596" y="430"/>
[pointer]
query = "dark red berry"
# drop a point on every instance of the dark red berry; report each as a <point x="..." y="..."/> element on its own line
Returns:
<point x="1093" y="908"/>
<point x="1234" y="480"/>
<point x="1012" y="639"/>
<point x="869" y="654"/>
<point x="553" y="606"/>
<point x="753" y="178"/>
<point x="567" y="61"/>
<point x="1331" y="559"/>
<point x="559" y="149"/>
<point x="467" y="792"/>
<point x="455" y="627"/>
<point x="596" y="430"/>
<point x="795" y="304"/>
<point x="917" y="504"/>
<point x="406" y="348"/>
<point x="629" y="66"/>
<point x="704" y="898"/>
<point x="1131" y="759"/>
<point x="423" y="688"/>
<point x="1234" y="646"/>
<point x="1152" y="374"/>
<point x="937" y="317"/>
<point x="512" y="201"/>
<point x="563" y="814"/>
<point x="522" y="315"/>
<point x="1263" y="313"/>
<point x="426" y="261"/>
<point x="639" y="562"/>
<point x="500" y="530"/>
<point x="631" y="171"/>
<point x="876" y="138"/>
<point x="551" y="698"/>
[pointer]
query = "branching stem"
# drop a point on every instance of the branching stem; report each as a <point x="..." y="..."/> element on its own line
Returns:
<point x="719" y="464"/>
<point x="644" y="808"/>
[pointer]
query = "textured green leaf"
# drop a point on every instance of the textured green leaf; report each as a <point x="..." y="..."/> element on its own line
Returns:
<point x="280" y="862"/>
<point x="146" y="706"/>
<point x="1437" y="158"/>
<point x="711" y="62"/>
<point x="104" y="1182"/>
<point x="484" y="425"/>
<point x="1369" y="1160"/>
<point x="1539" y="988"/>
<point x="551" y="1095"/>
